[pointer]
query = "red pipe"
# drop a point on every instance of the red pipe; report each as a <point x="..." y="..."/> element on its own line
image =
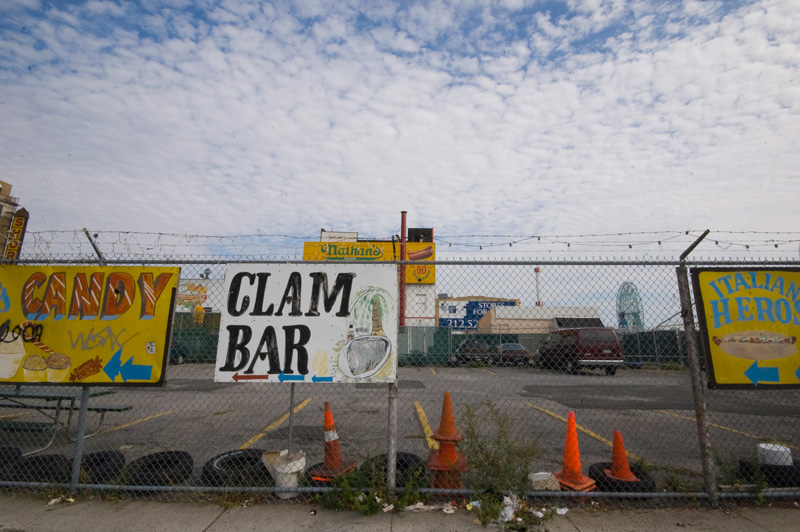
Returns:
<point x="402" y="302"/>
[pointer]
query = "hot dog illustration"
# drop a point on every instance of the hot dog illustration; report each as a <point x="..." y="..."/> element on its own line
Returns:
<point x="422" y="254"/>
<point x="757" y="345"/>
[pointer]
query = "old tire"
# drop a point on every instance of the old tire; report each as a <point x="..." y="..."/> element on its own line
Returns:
<point x="166" y="468"/>
<point x="410" y="468"/>
<point x="54" y="468"/>
<point x="10" y="458"/>
<point x="103" y="466"/>
<point x="777" y="476"/>
<point x="645" y="484"/>
<point x="243" y="467"/>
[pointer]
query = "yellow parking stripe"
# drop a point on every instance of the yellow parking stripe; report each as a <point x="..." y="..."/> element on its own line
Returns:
<point x="272" y="426"/>
<point x="721" y="427"/>
<point x="423" y="419"/>
<point x="132" y="423"/>
<point x="590" y="433"/>
<point x="489" y="371"/>
<point x="432" y="370"/>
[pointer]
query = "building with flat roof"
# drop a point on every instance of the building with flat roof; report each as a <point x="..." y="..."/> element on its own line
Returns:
<point x="420" y="278"/>
<point x="13" y="222"/>
<point x="8" y="206"/>
<point x="537" y="320"/>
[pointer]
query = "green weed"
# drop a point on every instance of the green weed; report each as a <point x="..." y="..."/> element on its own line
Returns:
<point x="498" y="462"/>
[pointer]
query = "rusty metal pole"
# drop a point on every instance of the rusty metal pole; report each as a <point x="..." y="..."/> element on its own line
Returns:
<point x="391" y="458"/>
<point x="698" y="389"/>
<point x="402" y="305"/>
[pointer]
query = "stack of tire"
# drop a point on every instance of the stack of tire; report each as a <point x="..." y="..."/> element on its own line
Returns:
<point x="101" y="467"/>
<point x="243" y="467"/>
<point x="165" y="468"/>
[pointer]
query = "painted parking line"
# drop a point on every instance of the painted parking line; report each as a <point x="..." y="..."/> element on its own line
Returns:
<point x="729" y="429"/>
<point x="432" y="370"/>
<point x="426" y="427"/>
<point x="132" y="423"/>
<point x="489" y="371"/>
<point x="11" y="416"/>
<point x="590" y="433"/>
<point x="274" y="425"/>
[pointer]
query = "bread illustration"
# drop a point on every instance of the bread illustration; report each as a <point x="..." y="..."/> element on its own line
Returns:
<point x="757" y="345"/>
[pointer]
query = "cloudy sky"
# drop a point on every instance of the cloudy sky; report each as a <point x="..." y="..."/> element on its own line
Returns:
<point x="512" y="117"/>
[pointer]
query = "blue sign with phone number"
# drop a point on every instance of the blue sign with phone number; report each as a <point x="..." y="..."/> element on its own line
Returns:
<point x="466" y="315"/>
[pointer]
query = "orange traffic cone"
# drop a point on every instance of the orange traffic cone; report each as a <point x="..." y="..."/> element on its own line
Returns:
<point x="571" y="477"/>
<point x="332" y="467"/>
<point x="620" y="469"/>
<point x="446" y="463"/>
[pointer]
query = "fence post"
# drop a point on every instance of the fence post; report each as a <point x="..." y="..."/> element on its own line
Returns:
<point x="79" y="437"/>
<point x="391" y="459"/>
<point x="698" y="390"/>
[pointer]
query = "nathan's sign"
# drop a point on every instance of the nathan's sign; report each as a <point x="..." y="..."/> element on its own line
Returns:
<point x="752" y="324"/>
<point x="85" y="324"/>
<point x="16" y="233"/>
<point x="378" y="251"/>
<point x="309" y="323"/>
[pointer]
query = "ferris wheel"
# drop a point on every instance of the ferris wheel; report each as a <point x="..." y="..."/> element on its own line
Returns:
<point x="629" y="308"/>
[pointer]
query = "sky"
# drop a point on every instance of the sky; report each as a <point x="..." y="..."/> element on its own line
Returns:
<point x="501" y="117"/>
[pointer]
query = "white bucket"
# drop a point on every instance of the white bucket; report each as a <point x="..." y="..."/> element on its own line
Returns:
<point x="269" y="458"/>
<point x="773" y="454"/>
<point x="287" y="471"/>
<point x="543" y="482"/>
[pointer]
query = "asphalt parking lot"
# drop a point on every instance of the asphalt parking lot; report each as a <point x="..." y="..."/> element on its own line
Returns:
<point x="652" y="408"/>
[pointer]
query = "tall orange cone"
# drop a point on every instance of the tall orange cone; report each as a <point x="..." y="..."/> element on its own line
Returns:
<point x="571" y="477"/>
<point x="446" y="463"/>
<point x="620" y="469"/>
<point x="333" y="465"/>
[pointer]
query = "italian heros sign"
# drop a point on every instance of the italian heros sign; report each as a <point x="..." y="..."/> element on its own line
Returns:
<point x="309" y="323"/>
<point x="85" y="324"/>
<point x="751" y="323"/>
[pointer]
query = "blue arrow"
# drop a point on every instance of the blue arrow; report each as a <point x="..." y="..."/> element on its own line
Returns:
<point x="128" y="370"/>
<point x="4" y="298"/>
<point x="756" y="374"/>
<point x="136" y="372"/>
<point x="112" y="367"/>
<point x="797" y="373"/>
<point x="321" y="379"/>
<point x="283" y="377"/>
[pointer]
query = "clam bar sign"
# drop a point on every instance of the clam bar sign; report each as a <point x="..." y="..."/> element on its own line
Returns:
<point x="308" y="323"/>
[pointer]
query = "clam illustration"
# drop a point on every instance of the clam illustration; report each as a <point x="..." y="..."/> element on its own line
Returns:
<point x="363" y="356"/>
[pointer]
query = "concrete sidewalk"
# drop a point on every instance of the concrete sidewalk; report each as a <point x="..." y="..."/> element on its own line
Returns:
<point x="26" y="514"/>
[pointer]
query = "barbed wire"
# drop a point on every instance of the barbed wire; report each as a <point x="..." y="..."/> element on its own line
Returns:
<point x="147" y="245"/>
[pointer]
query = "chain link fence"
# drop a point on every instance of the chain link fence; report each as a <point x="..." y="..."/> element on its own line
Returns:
<point x="585" y="357"/>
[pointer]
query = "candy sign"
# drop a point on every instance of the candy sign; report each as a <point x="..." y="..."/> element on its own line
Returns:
<point x="85" y="324"/>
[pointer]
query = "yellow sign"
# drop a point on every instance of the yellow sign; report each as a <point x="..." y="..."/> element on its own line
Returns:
<point x="85" y="324"/>
<point x="378" y="251"/>
<point x="15" y="234"/>
<point x="752" y="319"/>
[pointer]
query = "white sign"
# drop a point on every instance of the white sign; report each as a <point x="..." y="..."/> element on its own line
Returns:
<point x="308" y="323"/>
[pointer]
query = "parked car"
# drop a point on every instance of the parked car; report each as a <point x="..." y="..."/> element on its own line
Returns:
<point x="512" y="355"/>
<point x="571" y="349"/>
<point x="472" y="350"/>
